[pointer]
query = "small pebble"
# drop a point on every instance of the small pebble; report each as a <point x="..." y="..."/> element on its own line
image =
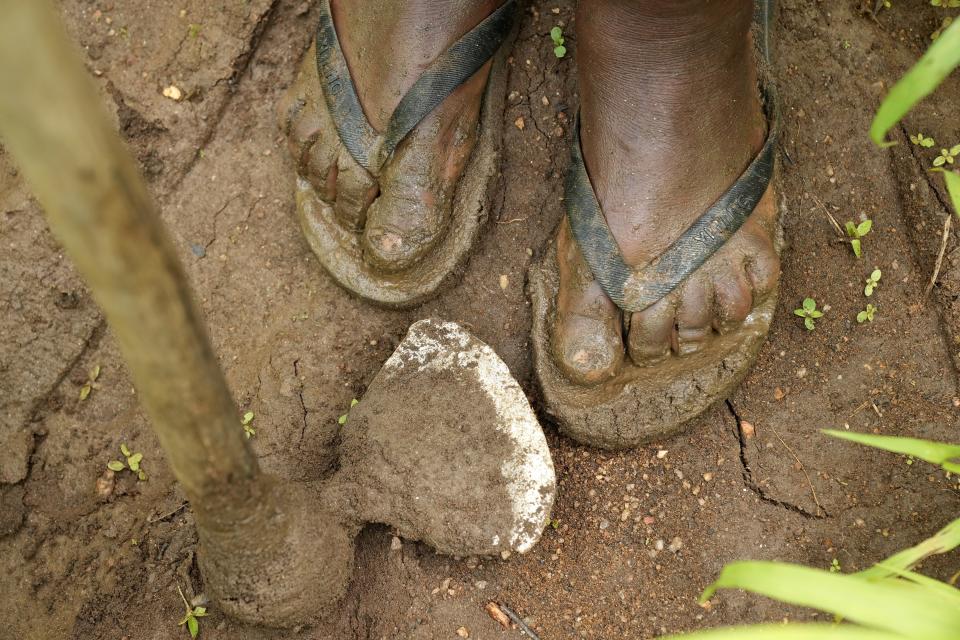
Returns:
<point x="463" y="633"/>
<point x="519" y="123"/>
<point x="604" y="524"/>
<point x="504" y="282"/>
<point x="396" y="544"/>
<point x="747" y="429"/>
<point x="662" y="454"/>
<point x="676" y="544"/>
<point x="173" y="92"/>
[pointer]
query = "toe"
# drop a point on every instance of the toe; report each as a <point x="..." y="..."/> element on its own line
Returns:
<point x="588" y="344"/>
<point x="695" y="315"/>
<point x="651" y="332"/>
<point x="355" y="191"/>
<point x="734" y="299"/>
<point x="587" y="340"/>
<point x="763" y="272"/>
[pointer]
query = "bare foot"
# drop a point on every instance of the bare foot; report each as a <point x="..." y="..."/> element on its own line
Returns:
<point x="403" y="211"/>
<point x="670" y="118"/>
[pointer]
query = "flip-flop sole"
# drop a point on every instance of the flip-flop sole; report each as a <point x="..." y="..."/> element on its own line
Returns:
<point x="641" y="403"/>
<point x="339" y="249"/>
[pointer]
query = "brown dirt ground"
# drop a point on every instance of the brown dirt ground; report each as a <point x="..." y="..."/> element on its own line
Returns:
<point x="296" y="349"/>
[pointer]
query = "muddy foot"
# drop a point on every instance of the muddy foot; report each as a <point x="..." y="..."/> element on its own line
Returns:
<point x="402" y="212"/>
<point x="670" y="119"/>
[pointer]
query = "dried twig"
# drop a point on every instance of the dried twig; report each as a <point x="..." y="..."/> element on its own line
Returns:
<point x="168" y="515"/>
<point x="833" y="221"/>
<point x="802" y="468"/>
<point x="519" y="622"/>
<point x="943" y="249"/>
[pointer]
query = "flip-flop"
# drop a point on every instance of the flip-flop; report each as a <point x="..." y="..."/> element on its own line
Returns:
<point x="338" y="247"/>
<point x="643" y="403"/>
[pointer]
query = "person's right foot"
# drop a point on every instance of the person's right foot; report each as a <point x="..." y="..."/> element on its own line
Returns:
<point x="670" y="117"/>
<point x="402" y="212"/>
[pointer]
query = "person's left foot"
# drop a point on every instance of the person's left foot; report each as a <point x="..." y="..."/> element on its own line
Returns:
<point x="670" y="118"/>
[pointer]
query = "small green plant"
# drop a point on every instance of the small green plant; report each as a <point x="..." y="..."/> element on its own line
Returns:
<point x="193" y="30"/>
<point x="342" y="420"/>
<point x="809" y="312"/>
<point x="872" y="281"/>
<point x="922" y="141"/>
<point x="132" y="462"/>
<point x="556" y="34"/>
<point x="246" y="421"/>
<point x="191" y="616"/>
<point x="91" y="383"/>
<point x="947" y="156"/>
<point x="856" y="232"/>
<point x="867" y="314"/>
<point x="835" y="566"/>
<point x="946" y="4"/>
<point x="943" y="25"/>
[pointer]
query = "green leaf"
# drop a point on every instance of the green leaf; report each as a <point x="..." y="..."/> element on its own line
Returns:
<point x="938" y="161"/>
<point x="134" y="461"/>
<point x="124" y="450"/>
<point x="556" y="34"/>
<point x="793" y="631"/>
<point x="354" y="403"/>
<point x="95" y="373"/>
<point x="193" y="626"/>
<point x="953" y="190"/>
<point x="955" y="150"/>
<point x="816" y="314"/>
<point x="945" y="540"/>
<point x="864" y="227"/>
<point x="247" y="418"/>
<point x="851" y="229"/>
<point x="808" y="323"/>
<point x="141" y="476"/>
<point x="939" y="60"/>
<point x="200" y="611"/>
<point x="559" y="51"/>
<point x="875" y="275"/>
<point x="85" y="391"/>
<point x="116" y="465"/>
<point x="342" y="419"/>
<point x="809" y="304"/>
<point x="855" y="244"/>
<point x="800" y="312"/>
<point x="862" y="317"/>
<point x="896" y="606"/>
<point x="939" y="453"/>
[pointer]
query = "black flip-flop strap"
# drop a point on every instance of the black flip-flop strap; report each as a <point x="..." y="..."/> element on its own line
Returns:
<point x="447" y="72"/>
<point x="634" y="289"/>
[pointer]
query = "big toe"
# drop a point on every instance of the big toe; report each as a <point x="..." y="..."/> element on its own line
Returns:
<point x="403" y="224"/>
<point x="588" y="350"/>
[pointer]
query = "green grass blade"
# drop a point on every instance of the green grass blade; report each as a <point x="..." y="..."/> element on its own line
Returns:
<point x="947" y="539"/>
<point x="953" y="189"/>
<point x="939" y="453"/>
<point x="896" y="606"/>
<point x="939" y="60"/>
<point x="790" y="632"/>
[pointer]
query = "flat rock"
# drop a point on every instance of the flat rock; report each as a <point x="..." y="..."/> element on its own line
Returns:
<point x="445" y="447"/>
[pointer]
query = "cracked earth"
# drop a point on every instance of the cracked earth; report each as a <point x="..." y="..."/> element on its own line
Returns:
<point x="638" y="534"/>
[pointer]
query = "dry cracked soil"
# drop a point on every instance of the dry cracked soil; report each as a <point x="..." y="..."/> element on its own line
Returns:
<point x="638" y="534"/>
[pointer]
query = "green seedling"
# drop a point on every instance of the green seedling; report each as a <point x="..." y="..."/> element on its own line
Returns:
<point x="922" y="141"/>
<point x="947" y="156"/>
<point x="191" y="617"/>
<point x="943" y="25"/>
<point x="132" y="463"/>
<point x="835" y="566"/>
<point x="91" y="383"/>
<point x="809" y="312"/>
<point x="867" y="314"/>
<point x="946" y="4"/>
<point x="248" y="429"/>
<point x="856" y="232"/>
<point x="342" y="420"/>
<point x="556" y="34"/>
<point x="872" y="283"/>
<point x="193" y="30"/>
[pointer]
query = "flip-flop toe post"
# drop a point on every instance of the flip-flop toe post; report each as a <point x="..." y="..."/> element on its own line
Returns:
<point x="337" y="240"/>
<point x="640" y="404"/>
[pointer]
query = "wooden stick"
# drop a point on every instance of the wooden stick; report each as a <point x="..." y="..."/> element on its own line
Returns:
<point x="53" y="124"/>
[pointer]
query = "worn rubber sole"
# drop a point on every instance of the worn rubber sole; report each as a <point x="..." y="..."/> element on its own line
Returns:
<point x="641" y="403"/>
<point x="339" y="249"/>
